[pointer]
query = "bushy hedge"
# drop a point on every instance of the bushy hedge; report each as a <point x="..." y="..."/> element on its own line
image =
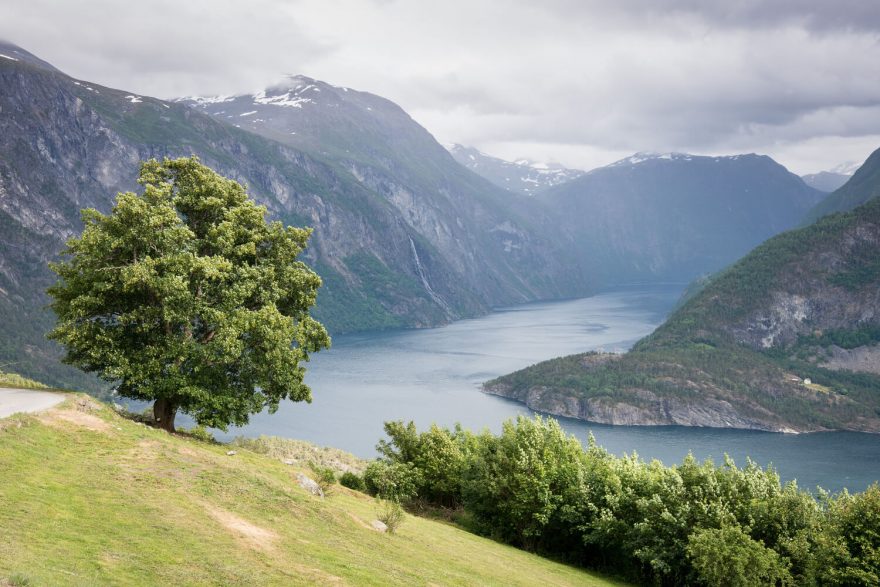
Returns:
<point x="536" y="487"/>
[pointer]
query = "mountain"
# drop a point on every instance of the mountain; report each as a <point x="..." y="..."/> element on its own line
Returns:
<point x="503" y="246"/>
<point x="524" y="177"/>
<point x="863" y="186"/>
<point x="675" y="216"/>
<point x="392" y="252"/>
<point x="786" y="339"/>
<point x="825" y="181"/>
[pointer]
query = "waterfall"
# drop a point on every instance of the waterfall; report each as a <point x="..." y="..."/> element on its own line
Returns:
<point x="437" y="299"/>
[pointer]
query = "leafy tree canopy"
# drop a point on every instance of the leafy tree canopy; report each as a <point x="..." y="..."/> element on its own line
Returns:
<point x="186" y="296"/>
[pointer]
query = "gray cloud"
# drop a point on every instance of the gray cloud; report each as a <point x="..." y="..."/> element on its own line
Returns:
<point x="578" y="81"/>
<point x="815" y="15"/>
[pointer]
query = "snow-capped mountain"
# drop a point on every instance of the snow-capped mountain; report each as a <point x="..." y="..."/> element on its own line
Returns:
<point x="523" y="176"/>
<point x="304" y="112"/>
<point x="645" y="157"/>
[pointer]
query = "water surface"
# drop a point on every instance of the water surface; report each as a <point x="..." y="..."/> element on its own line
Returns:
<point x="434" y="375"/>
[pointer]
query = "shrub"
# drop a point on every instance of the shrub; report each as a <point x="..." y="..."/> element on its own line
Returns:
<point x="18" y="580"/>
<point x="390" y="513"/>
<point x="849" y="551"/>
<point x="728" y="557"/>
<point x="352" y="481"/>
<point x="395" y="481"/>
<point x="201" y="434"/>
<point x="325" y="477"/>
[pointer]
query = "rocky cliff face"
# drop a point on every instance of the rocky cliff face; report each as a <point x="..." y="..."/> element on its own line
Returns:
<point x="391" y="254"/>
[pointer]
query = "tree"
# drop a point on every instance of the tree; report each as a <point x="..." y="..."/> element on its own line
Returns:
<point x="186" y="296"/>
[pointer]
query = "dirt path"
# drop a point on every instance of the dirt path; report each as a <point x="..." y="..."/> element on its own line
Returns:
<point x="26" y="400"/>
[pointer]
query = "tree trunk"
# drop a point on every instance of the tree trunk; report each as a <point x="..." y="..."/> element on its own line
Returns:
<point x="164" y="412"/>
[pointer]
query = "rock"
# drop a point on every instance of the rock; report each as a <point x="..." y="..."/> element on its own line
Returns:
<point x="309" y="485"/>
<point x="289" y="461"/>
<point x="379" y="526"/>
<point x="230" y="453"/>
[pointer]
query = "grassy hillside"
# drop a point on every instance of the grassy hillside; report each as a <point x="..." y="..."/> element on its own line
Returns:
<point x="785" y="339"/>
<point x="101" y="500"/>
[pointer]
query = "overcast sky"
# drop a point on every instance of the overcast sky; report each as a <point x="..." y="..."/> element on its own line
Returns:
<point x="580" y="82"/>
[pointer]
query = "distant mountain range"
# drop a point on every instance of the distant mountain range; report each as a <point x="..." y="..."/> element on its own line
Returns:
<point x="786" y="339"/>
<point x="523" y="176"/>
<point x="825" y="181"/>
<point x="674" y="216"/>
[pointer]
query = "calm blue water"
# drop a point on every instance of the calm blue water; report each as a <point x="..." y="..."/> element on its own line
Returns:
<point x="434" y="375"/>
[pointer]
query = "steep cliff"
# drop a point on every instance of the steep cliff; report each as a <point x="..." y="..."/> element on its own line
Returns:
<point x="786" y="339"/>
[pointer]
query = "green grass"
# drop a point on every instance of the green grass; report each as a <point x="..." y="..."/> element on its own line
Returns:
<point x="90" y="498"/>
<point x="17" y="381"/>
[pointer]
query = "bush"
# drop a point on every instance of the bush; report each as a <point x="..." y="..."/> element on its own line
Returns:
<point x="525" y="486"/>
<point x="201" y="434"/>
<point x="396" y="481"/>
<point x="688" y="524"/>
<point x="438" y="454"/>
<point x="849" y="551"/>
<point x="325" y="477"/>
<point x="352" y="481"/>
<point x="390" y="513"/>
<point x="17" y="580"/>
<point x="728" y="557"/>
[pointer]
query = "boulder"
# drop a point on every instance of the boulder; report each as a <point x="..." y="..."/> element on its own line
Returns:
<point x="309" y="485"/>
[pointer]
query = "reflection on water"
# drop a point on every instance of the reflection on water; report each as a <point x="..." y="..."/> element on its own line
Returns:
<point x="434" y="375"/>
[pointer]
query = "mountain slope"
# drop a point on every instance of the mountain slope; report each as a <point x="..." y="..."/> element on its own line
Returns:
<point x="863" y="186"/>
<point x="101" y="500"/>
<point x="524" y="177"/>
<point x="389" y="256"/>
<point x="676" y="216"/>
<point x="788" y="338"/>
